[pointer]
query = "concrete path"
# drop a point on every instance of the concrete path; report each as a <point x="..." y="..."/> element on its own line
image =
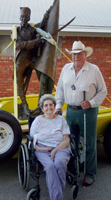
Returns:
<point x="101" y="189"/>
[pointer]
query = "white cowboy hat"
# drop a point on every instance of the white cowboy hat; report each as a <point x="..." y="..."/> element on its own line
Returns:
<point x="78" y="46"/>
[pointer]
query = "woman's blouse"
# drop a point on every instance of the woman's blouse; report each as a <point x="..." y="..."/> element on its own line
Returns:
<point x="49" y="131"/>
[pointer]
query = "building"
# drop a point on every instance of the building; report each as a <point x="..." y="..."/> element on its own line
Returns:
<point x="92" y="26"/>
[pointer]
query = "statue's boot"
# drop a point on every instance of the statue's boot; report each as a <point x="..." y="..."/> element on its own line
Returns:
<point x="23" y="111"/>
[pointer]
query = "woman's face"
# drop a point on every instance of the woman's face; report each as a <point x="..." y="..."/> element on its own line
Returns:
<point x="48" y="107"/>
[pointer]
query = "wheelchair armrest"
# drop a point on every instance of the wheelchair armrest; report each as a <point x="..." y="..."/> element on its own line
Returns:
<point x="30" y="138"/>
<point x="30" y="144"/>
<point x="72" y="136"/>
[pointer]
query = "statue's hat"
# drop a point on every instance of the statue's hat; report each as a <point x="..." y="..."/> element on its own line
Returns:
<point x="25" y="11"/>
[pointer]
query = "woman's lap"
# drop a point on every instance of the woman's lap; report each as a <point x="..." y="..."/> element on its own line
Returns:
<point x="62" y="155"/>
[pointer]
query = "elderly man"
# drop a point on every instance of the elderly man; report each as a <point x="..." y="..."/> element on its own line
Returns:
<point x="78" y="78"/>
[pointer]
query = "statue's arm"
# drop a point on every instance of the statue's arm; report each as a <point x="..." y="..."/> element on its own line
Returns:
<point x="28" y="44"/>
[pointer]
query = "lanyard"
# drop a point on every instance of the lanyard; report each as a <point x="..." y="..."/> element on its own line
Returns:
<point x="79" y="73"/>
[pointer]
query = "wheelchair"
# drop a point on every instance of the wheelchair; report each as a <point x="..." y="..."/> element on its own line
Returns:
<point x="29" y="166"/>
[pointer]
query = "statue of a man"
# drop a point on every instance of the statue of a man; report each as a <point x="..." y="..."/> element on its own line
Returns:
<point x="29" y="48"/>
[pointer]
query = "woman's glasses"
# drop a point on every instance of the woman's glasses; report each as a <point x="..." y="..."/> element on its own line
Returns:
<point x="48" y="105"/>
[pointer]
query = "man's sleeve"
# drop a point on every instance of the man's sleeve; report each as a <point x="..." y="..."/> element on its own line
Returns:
<point x="101" y="91"/>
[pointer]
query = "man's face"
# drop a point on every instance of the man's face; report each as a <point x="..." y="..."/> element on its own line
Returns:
<point x="24" y="19"/>
<point x="79" y="59"/>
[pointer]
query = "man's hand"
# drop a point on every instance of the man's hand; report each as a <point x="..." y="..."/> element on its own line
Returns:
<point x="85" y="104"/>
<point x="58" y="111"/>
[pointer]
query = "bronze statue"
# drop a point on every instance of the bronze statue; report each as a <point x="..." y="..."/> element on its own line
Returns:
<point x="33" y="52"/>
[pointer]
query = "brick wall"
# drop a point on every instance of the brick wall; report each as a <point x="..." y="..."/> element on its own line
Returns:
<point x="101" y="57"/>
<point x="6" y="80"/>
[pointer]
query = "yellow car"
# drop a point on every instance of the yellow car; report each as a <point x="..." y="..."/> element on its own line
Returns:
<point x="11" y="133"/>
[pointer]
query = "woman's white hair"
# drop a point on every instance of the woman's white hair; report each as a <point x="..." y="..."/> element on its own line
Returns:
<point x="46" y="97"/>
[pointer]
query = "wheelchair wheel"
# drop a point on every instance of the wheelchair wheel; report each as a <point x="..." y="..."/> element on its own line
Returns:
<point x="69" y="179"/>
<point x="33" y="194"/>
<point x="27" y="167"/>
<point x="81" y="147"/>
<point x="23" y="167"/>
<point x="74" y="192"/>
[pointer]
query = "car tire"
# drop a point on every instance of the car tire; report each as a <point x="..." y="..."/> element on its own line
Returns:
<point x="107" y="142"/>
<point x="10" y="135"/>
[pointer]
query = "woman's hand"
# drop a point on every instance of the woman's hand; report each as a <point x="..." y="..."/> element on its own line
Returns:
<point x="52" y="154"/>
<point x="62" y="145"/>
<point x="47" y="149"/>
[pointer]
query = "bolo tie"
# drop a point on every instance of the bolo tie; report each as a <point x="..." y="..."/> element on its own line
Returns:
<point x="73" y="86"/>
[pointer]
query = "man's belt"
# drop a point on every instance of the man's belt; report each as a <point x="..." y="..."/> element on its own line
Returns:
<point x="75" y="107"/>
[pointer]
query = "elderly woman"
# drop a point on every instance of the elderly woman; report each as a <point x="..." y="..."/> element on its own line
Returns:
<point x="52" y="140"/>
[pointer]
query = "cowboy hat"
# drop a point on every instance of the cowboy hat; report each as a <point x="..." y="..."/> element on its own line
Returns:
<point x="78" y="46"/>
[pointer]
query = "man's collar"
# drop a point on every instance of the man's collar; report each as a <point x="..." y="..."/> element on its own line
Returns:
<point x="85" y="66"/>
<point x="71" y="65"/>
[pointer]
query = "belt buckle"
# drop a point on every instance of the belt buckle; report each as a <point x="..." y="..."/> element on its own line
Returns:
<point x="74" y="107"/>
